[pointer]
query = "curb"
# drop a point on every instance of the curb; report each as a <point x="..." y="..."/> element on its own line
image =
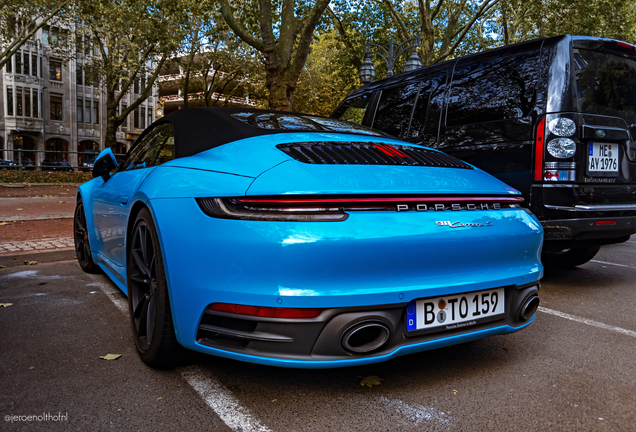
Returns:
<point x="41" y="257"/>
<point x="39" y="184"/>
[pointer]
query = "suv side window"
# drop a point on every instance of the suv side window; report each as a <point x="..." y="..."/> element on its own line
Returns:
<point x="354" y="109"/>
<point x="156" y="147"/>
<point x="499" y="88"/>
<point x="427" y="112"/>
<point x="394" y="109"/>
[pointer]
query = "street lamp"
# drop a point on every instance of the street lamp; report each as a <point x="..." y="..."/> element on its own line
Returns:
<point x="391" y="53"/>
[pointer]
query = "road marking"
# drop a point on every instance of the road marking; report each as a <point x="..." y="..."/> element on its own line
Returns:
<point x="588" y="321"/>
<point x="222" y="402"/>
<point x="417" y="413"/>
<point x="216" y="395"/>
<point x="614" y="264"/>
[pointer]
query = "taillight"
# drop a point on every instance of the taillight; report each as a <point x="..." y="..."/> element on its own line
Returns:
<point x="335" y="208"/>
<point x="555" y="149"/>
<point x="538" y="148"/>
<point x="266" y="312"/>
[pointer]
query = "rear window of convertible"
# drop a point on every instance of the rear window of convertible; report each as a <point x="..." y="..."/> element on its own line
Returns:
<point x="297" y="122"/>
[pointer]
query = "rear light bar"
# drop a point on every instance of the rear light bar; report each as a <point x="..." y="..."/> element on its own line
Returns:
<point x="266" y="312"/>
<point x="538" y="148"/>
<point x="625" y="45"/>
<point x="605" y="222"/>
<point x="333" y="209"/>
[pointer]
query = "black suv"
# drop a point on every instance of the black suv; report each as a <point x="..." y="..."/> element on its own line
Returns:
<point x="553" y="117"/>
<point x="53" y="165"/>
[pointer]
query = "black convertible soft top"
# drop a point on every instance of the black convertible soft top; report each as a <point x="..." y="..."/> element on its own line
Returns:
<point x="200" y="129"/>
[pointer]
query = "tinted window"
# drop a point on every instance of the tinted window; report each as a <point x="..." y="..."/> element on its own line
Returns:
<point x="156" y="147"/>
<point x="428" y="109"/>
<point x="354" y="109"/>
<point x="394" y="109"/>
<point x="287" y="121"/>
<point x="606" y="84"/>
<point x="499" y="88"/>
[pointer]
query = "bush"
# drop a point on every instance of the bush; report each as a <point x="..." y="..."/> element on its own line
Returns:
<point x="11" y="176"/>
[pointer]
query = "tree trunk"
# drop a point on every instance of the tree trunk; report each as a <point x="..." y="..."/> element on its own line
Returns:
<point x="111" y="119"/>
<point x="281" y="93"/>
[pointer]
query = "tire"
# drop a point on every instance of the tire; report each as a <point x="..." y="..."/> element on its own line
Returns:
<point x="81" y="240"/>
<point x="148" y="300"/>
<point x="569" y="258"/>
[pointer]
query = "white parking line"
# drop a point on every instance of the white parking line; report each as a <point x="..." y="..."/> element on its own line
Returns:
<point x="222" y="402"/>
<point x="216" y="396"/>
<point x="614" y="264"/>
<point x="588" y="321"/>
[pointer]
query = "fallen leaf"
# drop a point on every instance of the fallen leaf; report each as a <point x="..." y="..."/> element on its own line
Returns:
<point x="371" y="380"/>
<point x="4" y="223"/>
<point x="454" y="392"/>
<point x="1" y="266"/>
<point x="18" y="209"/>
<point x="30" y="262"/>
<point x="159" y="398"/>
<point x="274" y="400"/>
<point x="110" y="356"/>
<point x="61" y="202"/>
<point x="6" y="304"/>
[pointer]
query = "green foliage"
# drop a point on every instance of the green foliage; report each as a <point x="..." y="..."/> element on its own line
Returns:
<point x="12" y="176"/>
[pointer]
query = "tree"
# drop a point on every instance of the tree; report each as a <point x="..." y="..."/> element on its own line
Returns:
<point x="20" y="20"/>
<point x="283" y="36"/>
<point x="132" y="39"/>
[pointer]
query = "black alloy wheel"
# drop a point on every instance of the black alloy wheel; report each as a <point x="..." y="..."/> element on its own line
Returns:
<point x="148" y="301"/>
<point x="82" y="244"/>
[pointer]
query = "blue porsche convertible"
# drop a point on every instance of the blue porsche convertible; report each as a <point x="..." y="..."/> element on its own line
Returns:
<point x="302" y="241"/>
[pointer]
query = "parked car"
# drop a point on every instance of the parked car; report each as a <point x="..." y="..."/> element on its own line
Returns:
<point x="27" y="164"/>
<point x="6" y="164"/>
<point x="55" y="165"/>
<point x="555" y="118"/>
<point x="88" y="159"/>
<point x="303" y="241"/>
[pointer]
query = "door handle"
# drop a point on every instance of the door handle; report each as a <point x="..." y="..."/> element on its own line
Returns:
<point x="123" y="200"/>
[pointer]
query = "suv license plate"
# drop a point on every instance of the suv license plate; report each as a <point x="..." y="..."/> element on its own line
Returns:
<point x="603" y="157"/>
<point x="454" y="311"/>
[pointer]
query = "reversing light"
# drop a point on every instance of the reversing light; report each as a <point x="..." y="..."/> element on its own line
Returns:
<point x="266" y="312"/>
<point x="563" y="127"/>
<point x="562" y="148"/>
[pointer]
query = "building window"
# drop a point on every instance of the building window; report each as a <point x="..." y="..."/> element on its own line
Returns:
<point x="124" y="107"/>
<point x="27" y="102"/>
<point x="95" y="112"/>
<point x="78" y="75"/>
<point x="18" y="62"/>
<point x="55" y="70"/>
<point x="36" y="112"/>
<point x="9" y="101"/>
<point x="88" y="81"/>
<point x="80" y="111"/>
<point x="18" y="99"/>
<point x="34" y="64"/>
<point x="9" y="65"/>
<point x="26" y="62"/>
<point x="87" y="111"/>
<point x="56" y="107"/>
<point x="136" y="118"/>
<point x="143" y="117"/>
<point x="41" y="76"/>
<point x="149" y="115"/>
<point x="136" y="86"/>
<point x="45" y="36"/>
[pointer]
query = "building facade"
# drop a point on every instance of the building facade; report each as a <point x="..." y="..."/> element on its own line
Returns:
<point x="51" y="109"/>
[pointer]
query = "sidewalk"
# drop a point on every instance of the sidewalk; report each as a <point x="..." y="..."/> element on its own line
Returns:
<point x="36" y="223"/>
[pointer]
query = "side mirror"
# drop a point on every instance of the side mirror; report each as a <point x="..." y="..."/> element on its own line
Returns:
<point x="104" y="164"/>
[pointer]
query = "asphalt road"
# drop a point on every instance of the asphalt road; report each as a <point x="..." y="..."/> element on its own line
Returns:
<point x="573" y="369"/>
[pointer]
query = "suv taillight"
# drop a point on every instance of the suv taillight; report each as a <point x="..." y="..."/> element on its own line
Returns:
<point x="555" y="148"/>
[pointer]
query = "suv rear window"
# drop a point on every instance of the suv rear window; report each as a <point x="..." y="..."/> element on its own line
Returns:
<point x="605" y="84"/>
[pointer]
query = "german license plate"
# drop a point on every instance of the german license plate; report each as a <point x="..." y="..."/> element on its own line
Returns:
<point x="454" y="311"/>
<point x="603" y="157"/>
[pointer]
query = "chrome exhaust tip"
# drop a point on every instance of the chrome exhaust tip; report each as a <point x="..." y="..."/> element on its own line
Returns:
<point x="366" y="336"/>
<point x="529" y="307"/>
